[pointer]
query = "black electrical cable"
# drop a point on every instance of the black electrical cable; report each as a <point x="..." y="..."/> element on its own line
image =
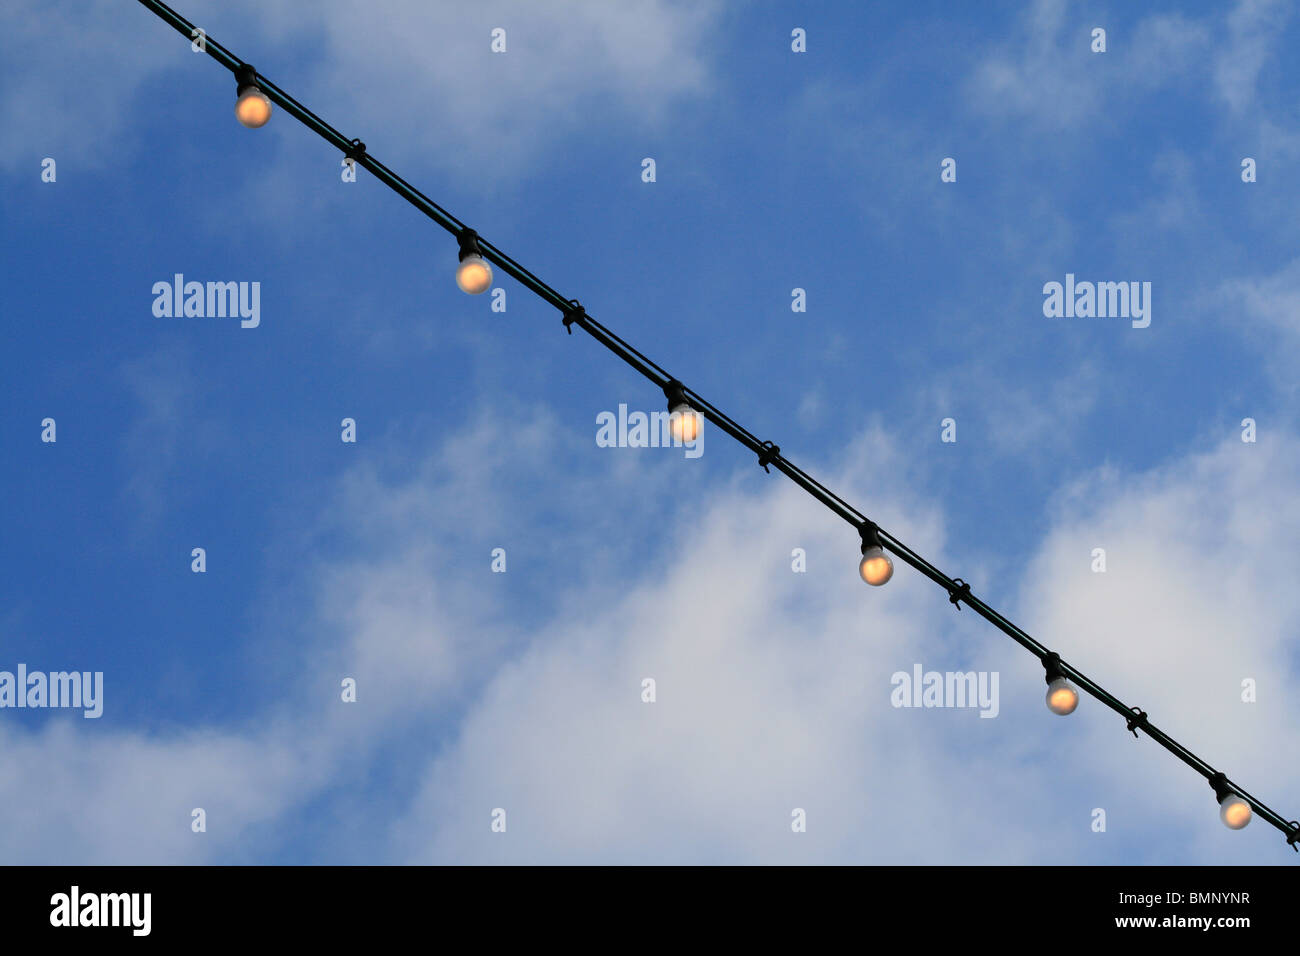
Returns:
<point x="768" y="454"/>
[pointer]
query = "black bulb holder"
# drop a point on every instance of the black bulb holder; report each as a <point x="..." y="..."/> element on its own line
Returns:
<point x="675" y="392"/>
<point x="468" y="240"/>
<point x="870" y="532"/>
<point x="246" y="78"/>
<point x="1052" y="667"/>
<point x="1219" y="782"/>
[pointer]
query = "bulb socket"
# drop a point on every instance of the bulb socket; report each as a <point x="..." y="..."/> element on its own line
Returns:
<point x="870" y="532"/>
<point x="1219" y="782"/>
<point x="246" y="79"/>
<point x="468" y="240"/>
<point x="1052" y="668"/>
<point x="675" y="392"/>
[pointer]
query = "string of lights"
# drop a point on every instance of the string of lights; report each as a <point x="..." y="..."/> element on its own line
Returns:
<point x="255" y="95"/>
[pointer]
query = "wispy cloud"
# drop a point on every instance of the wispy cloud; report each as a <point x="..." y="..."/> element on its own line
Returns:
<point x="422" y="70"/>
<point x="1253" y="31"/>
<point x="1048" y="73"/>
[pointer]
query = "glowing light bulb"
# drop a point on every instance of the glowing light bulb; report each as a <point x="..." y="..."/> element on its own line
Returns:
<point x="875" y="567"/>
<point x="684" y="423"/>
<point x="1234" y="812"/>
<point x="252" y="108"/>
<point x="1062" y="698"/>
<point x="474" y="275"/>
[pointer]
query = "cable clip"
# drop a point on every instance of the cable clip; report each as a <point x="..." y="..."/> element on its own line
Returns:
<point x="575" y="313"/>
<point x="1139" y="719"/>
<point x="958" y="594"/>
<point x="1294" y="835"/>
<point x="768" y="455"/>
<point x="356" y="149"/>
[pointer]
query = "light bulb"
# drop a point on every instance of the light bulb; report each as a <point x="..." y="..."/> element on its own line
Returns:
<point x="875" y="567"/>
<point x="684" y="423"/>
<point x="1062" y="698"/>
<point x="1234" y="812"/>
<point x="252" y="108"/>
<point x="474" y="275"/>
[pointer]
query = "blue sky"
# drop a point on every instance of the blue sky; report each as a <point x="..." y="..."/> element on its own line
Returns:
<point x="775" y="170"/>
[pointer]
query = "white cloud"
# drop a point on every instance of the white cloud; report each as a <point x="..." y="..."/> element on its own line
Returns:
<point x="1048" y="73"/>
<point x="416" y="80"/>
<point x="1197" y="598"/>
<point x="75" y="795"/>
<point x="70" y="89"/>
<point x="420" y="83"/>
<point x="1265" y="310"/>
<point x="772" y="693"/>
<point x="1253" y="29"/>
<point x="1272" y="299"/>
<point x="1034" y="424"/>
<point x="773" y="687"/>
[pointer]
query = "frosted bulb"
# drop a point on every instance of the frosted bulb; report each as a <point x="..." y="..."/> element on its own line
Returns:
<point x="474" y="275"/>
<point x="684" y="423"/>
<point x="1062" y="698"/>
<point x="876" y="567"/>
<point x="1234" y="812"/>
<point x="252" y="108"/>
